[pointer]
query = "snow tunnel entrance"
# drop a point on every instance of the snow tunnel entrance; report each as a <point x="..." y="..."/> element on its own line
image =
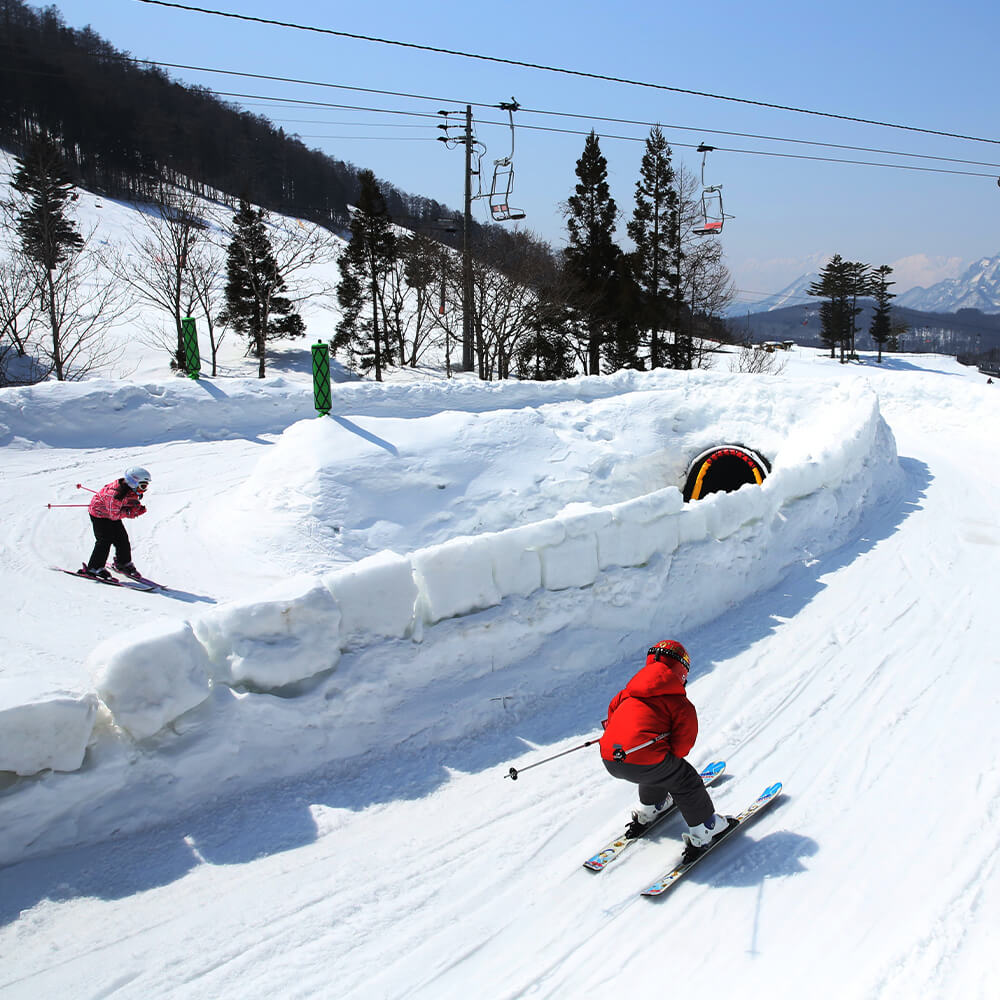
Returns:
<point x="723" y="469"/>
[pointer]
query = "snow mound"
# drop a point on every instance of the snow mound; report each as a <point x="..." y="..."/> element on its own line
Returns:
<point x="377" y="645"/>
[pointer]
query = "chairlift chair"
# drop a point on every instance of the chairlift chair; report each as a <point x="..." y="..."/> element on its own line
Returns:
<point x="503" y="184"/>
<point x="712" y="214"/>
<point x="503" y="177"/>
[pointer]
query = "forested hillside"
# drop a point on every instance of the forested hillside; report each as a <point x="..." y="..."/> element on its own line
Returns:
<point x="124" y="126"/>
<point x="967" y="332"/>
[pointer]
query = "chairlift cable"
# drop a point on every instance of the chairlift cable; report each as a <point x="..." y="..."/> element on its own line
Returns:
<point x="562" y="70"/>
<point x="539" y="111"/>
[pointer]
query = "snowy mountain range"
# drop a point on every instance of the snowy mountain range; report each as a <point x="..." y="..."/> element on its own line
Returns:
<point x="978" y="287"/>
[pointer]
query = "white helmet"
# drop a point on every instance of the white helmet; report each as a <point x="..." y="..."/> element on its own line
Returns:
<point x="137" y="477"/>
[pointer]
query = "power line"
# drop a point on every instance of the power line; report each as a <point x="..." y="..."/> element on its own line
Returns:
<point x="634" y="138"/>
<point x="566" y="114"/>
<point x="558" y="131"/>
<point x="557" y="69"/>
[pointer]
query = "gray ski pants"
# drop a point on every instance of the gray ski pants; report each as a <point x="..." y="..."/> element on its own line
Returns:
<point x="673" y="776"/>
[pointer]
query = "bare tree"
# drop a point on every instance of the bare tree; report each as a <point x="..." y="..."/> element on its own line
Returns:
<point x="706" y="285"/>
<point x="504" y="310"/>
<point x="20" y="313"/>
<point x="155" y="265"/>
<point x="206" y="277"/>
<point x="83" y="306"/>
<point x="756" y="361"/>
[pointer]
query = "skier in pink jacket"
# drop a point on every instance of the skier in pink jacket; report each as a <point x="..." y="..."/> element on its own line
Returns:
<point x="120" y="499"/>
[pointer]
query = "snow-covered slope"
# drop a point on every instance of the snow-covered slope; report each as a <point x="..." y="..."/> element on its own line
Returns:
<point x="285" y="776"/>
<point x="354" y="835"/>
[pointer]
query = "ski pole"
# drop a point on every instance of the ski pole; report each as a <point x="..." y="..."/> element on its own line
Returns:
<point x="621" y="754"/>
<point x="51" y="505"/>
<point x="80" y="486"/>
<point x="514" y="772"/>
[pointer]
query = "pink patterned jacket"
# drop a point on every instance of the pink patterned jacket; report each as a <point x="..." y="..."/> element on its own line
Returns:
<point x="106" y="502"/>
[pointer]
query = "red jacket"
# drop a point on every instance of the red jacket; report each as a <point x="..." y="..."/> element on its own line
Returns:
<point x="653" y="702"/>
<point x="116" y="501"/>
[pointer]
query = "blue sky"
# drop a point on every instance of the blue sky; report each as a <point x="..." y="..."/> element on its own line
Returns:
<point x="929" y="66"/>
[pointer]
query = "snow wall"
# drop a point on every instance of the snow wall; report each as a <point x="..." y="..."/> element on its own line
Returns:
<point x="345" y="663"/>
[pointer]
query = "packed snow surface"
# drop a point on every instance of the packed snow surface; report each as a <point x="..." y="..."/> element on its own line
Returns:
<point x="285" y="775"/>
<point x="292" y="776"/>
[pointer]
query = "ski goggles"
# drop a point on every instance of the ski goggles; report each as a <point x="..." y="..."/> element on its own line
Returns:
<point x="662" y="653"/>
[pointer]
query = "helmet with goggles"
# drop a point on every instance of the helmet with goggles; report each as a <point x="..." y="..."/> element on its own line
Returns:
<point x="138" y="478"/>
<point x="669" y="649"/>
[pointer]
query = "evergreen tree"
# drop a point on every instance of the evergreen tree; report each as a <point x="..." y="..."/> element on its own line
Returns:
<point x="49" y="238"/>
<point x="363" y="267"/>
<point x="47" y="235"/>
<point x="858" y="281"/>
<point x="255" y="306"/>
<point x="544" y="357"/>
<point x="592" y="255"/>
<point x="881" y="328"/>
<point x="838" y="285"/>
<point x="655" y="231"/>
<point x="622" y="348"/>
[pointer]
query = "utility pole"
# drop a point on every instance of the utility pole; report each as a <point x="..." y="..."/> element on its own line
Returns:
<point x="466" y="139"/>
<point x="468" y="303"/>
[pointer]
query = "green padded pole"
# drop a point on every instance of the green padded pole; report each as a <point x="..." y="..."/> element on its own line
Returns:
<point x="192" y="358"/>
<point x="321" y="378"/>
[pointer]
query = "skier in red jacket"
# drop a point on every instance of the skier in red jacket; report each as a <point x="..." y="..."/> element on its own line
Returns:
<point x="653" y="708"/>
<point x="120" y="499"/>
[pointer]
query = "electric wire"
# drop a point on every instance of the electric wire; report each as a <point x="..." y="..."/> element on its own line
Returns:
<point x="562" y="70"/>
<point x="563" y="114"/>
<point x="566" y="114"/>
<point x="635" y="138"/>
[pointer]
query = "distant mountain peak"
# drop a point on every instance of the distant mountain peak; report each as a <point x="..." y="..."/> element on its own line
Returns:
<point x="978" y="287"/>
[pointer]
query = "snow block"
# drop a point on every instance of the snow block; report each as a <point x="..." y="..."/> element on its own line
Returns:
<point x="573" y="561"/>
<point x="150" y="675"/>
<point x="726" y="513"/>
<point x="640" y="528"/>
<point x="517" y="565"/>
<point x="456" y="577"/>
<point x="50" y="734"/>
<point x="376" y="597"/>
<point x="289" y="635"/>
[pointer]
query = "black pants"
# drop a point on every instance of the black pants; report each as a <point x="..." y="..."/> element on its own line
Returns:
<point x="672" y="776"/>
<point x="108" y="533"/>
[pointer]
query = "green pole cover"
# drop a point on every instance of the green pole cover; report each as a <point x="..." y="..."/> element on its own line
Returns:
<point x="191" y="356"/>
<point x="321" y="378"/>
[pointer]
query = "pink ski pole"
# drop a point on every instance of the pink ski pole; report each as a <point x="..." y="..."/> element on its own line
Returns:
<point x="80" y="486"/>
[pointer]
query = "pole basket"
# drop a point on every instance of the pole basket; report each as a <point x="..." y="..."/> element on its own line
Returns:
<point x="321" y="378"/>
<point x="192" y="357"/>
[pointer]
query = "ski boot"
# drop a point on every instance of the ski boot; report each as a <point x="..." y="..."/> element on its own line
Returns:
<point x="97" y="574"/>
<point x="698" y="837"/>
<point x="645" y="816"/>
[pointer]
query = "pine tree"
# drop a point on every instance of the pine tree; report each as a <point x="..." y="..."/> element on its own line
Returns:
<point x="838" y="284"/>
<point x="592" y="254"/>
<point x="881" y="328"/>
<point x="655" y="231"/>
<point x="369" y="255"/>
<point x="48" y="237"/>
<point x="255" y="306"/>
